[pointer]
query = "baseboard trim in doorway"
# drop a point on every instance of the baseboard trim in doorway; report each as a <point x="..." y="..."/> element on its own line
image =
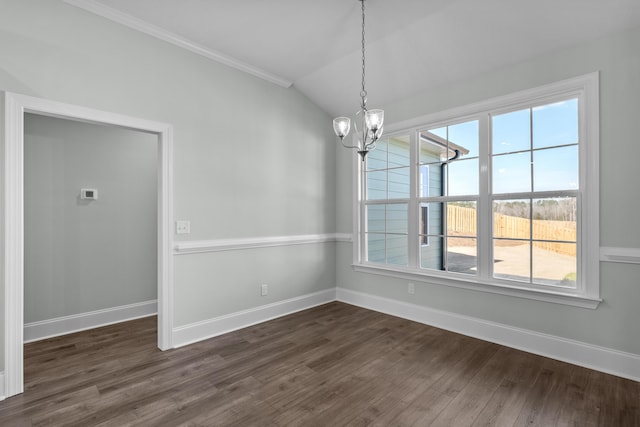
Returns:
<point x="2" y="396"/>
<point x="199" y="331"/>
<point x="36" y="331"/>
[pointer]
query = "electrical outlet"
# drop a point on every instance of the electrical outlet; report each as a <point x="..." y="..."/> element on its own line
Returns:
<point x="411" y="289"/>
<point x="183" y="227"/>
<point x="264" y="289"/>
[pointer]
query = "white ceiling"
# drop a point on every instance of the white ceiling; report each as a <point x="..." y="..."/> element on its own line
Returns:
<point x="412" y="45"/>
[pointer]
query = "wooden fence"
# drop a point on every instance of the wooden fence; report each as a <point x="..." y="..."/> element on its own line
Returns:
<point x="462" y="221"/>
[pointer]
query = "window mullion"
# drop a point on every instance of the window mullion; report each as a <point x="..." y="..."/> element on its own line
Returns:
<point x="413" y="216"/>
<point x="531" y="171"/>
<point x="484" y="210"/>
<point x="360" y="193"/>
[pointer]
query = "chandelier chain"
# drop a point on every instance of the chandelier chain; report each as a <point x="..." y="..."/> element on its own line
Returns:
<point x="363" y="93"/>
<point x="372" y="120"/>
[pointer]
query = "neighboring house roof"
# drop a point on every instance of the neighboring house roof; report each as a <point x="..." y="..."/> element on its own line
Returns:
<point x="442" y="142"/>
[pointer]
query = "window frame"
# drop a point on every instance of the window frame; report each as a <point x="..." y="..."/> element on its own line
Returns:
<point x="587" y="292"/>
<point x="423" y="238"/>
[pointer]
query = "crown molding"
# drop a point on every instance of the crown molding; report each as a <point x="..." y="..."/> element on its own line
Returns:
<point x="137" y="24"/>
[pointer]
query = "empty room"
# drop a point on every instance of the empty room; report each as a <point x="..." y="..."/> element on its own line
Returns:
<point x="330" y="213"/>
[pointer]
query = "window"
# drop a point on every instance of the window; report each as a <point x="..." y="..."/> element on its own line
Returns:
<point x="388" y="188"/>
<point x="494" y="196"/>
<point x="448" y="155"/>
<point x="534" y="157"/>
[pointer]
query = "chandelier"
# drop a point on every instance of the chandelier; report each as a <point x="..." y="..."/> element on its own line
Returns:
<point x="371" y="128"/>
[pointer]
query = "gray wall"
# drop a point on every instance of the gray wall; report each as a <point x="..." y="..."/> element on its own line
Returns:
<point x="2" y="228"/>
<point x="251" y="159"/>
<point x="237" y="177"/>
<point x="80" y="255"/>
<point x="614" y="323"/>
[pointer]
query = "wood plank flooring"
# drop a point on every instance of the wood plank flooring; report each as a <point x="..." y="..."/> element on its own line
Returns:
<point x="332" y="365"/>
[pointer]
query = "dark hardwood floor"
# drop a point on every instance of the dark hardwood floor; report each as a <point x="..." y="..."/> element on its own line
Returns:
<point x="328" y="366"/>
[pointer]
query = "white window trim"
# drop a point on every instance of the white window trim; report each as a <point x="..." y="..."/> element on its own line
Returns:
<point x="586" y="89"/>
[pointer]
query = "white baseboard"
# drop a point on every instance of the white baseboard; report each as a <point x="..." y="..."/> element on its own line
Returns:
<point x="2" y="393"/>
<point x="626" y="365"/>
<point x="79" y="322"/>
<point x="603" y="359"/>
<point x="199" y="331"/>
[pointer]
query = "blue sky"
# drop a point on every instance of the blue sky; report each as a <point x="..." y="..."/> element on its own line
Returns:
<point x="514" y="134"/>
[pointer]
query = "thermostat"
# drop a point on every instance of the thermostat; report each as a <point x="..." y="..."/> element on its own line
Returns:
<point x="88" y="194"/>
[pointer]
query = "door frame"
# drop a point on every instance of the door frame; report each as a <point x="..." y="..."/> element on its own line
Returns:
<point x="12" y="109"/>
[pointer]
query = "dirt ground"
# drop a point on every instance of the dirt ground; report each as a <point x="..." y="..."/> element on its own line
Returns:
<point x="513" y="260"/>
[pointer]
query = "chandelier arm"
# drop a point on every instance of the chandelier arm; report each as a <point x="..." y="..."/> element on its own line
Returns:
<point x="349" y="146"/>
<point x="362" y="133"/>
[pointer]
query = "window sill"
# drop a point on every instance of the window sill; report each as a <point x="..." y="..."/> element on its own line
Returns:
<point x="558" y="297"/>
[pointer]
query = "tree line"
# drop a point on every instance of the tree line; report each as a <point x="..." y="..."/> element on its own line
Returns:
<point x="558" y="209"/>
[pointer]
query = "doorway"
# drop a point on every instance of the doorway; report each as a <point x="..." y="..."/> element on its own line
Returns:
<point x="90" y="208"/>
<point x="15" y="107"/>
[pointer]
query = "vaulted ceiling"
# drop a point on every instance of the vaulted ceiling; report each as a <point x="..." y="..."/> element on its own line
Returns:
<point x="412" y="45"/>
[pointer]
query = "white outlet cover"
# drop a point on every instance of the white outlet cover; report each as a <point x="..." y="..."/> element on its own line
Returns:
<point x="183" y="227"/>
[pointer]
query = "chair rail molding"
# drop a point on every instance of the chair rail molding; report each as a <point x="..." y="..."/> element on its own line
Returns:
<point x="624" y="255"/>
<point x="220" y="245"/>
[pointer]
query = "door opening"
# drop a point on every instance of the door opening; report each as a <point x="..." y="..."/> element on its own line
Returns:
<point x="13" y="108"/>
<point x="90" y="221"/>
